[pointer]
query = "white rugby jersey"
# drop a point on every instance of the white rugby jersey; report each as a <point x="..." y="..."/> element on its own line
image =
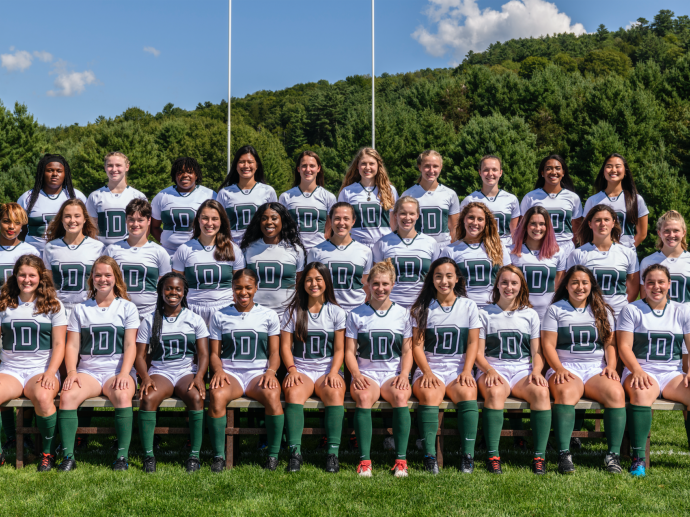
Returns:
<point x="380" y="336"/>
<point x="317" y="353"/>
<point x="102" y="331"/>
<point x="244" y="336"/>
<point x="508" y="334"/>
<point x="678" y="267"/>
<point x="310" y="212"/>
<point x="347" y="264"/>
<point x="9" y="256"/>
<point x="177" y="345"/>
<point x="411" y="259"/>
<point x="141" y="269"/>
<point x="447" y="332"/>
<point x="71" y="266"/>
<point x="618" y="205"/>
<point x="209" y="280"/>
<point x="372" y="222"/>
<point x="610" y="268"/>
<point x="27" y="338"/>
<point x="562" y="207"/>
<point x="241" y="205"/>
<point x="540" y="275"/>
<point x="477" y="268"/>
<point x="435" y="206"/>
<point x="504" y="206"/>
<point x="42" y="213"/>
<point x="177" y="211"/>
<point x="578" y="337"/>
<point x="108" y="209"/>
<point x="277" y="266"/>
<point x="658" y="336"/>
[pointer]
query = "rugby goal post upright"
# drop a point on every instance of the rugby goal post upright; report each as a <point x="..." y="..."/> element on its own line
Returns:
<point x="229" y="76"/>
<point x="373" y="87"/>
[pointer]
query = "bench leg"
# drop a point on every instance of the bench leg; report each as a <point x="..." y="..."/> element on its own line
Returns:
<point x="230" y="440"/>
<point x="20" y="438"/>
<point x="439" y="439"/>
<point x="597" y="422"/>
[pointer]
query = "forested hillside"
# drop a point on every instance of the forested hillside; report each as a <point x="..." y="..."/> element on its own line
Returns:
<point x="584" y="97"/>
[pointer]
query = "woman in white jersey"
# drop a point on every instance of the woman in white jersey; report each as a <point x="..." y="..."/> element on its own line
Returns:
<point x="308" y="201"/>
<point x="536" y="253"/>
<point x="312" y="346"/>
<point x="614" y="266"/>
<point x="616" y="188"/>
<point x="478" y="251"/>
<point x="70" y="251"/>
<point x="504" y="206"/>
<point x="142" y="261"/>
<point x="101" y="336"/>
<point x="579" y="343"/>
<point x="175" y="340"/>
<point x="410" y="252"/>
<point x="12" y="219"/>
<point x="272" y="247"/>
<point x="348" y="261"/>
<point x="52" y="187"/>
<point x="244" y="190"/>
<point x="439" y="205"/>
<point x="368" y="189"/>
<point x="34" y="326"/>
<point x="244" y="357"/>
<point x="446" y="332"/>
<point x="652" y="335"/>
<point x="508" y="340"/>
<point x="174" y="208"/>
<point x="209" y="260"/>
<point x="378" y="354"/>
<point x="554" y="191"/>
<point x="107" y="204"/>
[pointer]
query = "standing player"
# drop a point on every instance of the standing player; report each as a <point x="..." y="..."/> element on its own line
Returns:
<point x="378" y="354"/>
<point x="52" y="187"/>
<point x="244" y="190"/>
<point x="107" y="204"/>
<point x="209" y="260"/>
<point x="308" y="201"/>
<point x="504" y="206"/>
<point x="368" y="189"/>
<point x="175" y="207"/>
<point x="439" y="205"/>
<point x="12" y="219"/>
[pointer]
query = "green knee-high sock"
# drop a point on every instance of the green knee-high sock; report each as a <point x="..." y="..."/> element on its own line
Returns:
<point x="640" y="422"/>
<point x="124" y="417"/>
<point x="468" y="420"/>
<point x="294" y="422"/>
<point x="274" y="432"/>
<point x="492" y="422"/>
<point x="427" y="420"/>
<point x="541" y="427"/>
<point x="579" y="419"/>
<point x="196" y="431"/>
<point x="614" y="426"/>
<point x="216" y="431"/>
<point x="8" y="424"/>
<point x="402" y="421"/>
<point x="363" y="431"/>
<point x="68" y="423"/>
<point x="147" y="428"/>
<point x="46" y="426"/>
<point x="563" y="424"/>
<point x="333" y="416"/>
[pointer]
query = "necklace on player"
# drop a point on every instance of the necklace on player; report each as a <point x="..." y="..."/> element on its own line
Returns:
<point x="369" y="192"/>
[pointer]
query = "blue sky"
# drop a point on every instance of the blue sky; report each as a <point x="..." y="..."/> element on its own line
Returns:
<point x="70" y="61"/>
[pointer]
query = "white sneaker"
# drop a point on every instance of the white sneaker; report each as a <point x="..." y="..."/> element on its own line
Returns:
<point x="400" y="469"/>
<point x="364" y="469"/>
<point x="389" y="443"/>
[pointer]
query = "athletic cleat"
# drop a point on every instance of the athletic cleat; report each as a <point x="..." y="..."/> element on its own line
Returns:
<point x="637" y="468"/>
<point x="388" y="443"/>
<point x="565" y="463"/>
<point x="493" y="465"/>
<point x="467" y="464"/>
<point x="67" y="465"/>
<point x="120" y="464"/>
<point x="539" y="466"/>
<point x="271" y="463"/>
<point x="218" y="464"/>
<point x="323" y="443"/>
<point x="364" y="469"/>
<point x="332" y="464"/>
<point x="193" y="464"/>
<point x="294" y="463"/>
<point x="149" y="464"/>
<point x="613" y="463"/>
<point x="399" y="470"/>
<point x="575" y="443"/>
<point x="46" y="464"/>
<point x="431" y="464"/>
<point x="353" y="443"/>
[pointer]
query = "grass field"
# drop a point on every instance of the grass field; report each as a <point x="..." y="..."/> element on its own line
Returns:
<point x="93" y="489"/>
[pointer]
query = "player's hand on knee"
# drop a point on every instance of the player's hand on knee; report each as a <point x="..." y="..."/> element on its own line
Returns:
<point x="199" y="384"/>
<point x="562" y="376"/>
<point x="466" y="379"/>
<point x="360" y="382"/>
<point x="268" y="381"/>
<point x="686" y="381"/>
<point x="293" y="379"/>
<point x="429" y="380"/>
<point x="72" y="378"/>
<point x="641" y="380"/>
<point x="219" y="380"/>
<point x="538" y="379"/>
<point x="121" y="381"/>
<point x="611" y="373"/>
<point x="147" y="384"/>
<point x="492" y="378"/>
<point x="401" y="382"/>
<point x="48" y="380"/>
<point x="334" y="380"/>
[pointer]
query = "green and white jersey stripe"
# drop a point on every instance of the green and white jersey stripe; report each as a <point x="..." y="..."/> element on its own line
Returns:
<point x="504" y="206"/>
<point x="372" y="221"/>
<point x="562" y="207"/>
<point x="9" y="256"/>
<point x="618" y="205"/>
<point x="317" y="352"/>
<point x="241" y="205"/>
<point x="108" y="209"/>
<point x="680" y="274"/>
<point x="435" y="206"/>
<point x="508" y="334"/>
<point x="310" y="212"/>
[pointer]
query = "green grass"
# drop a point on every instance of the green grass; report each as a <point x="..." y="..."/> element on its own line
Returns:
<point x="93" y="489"/>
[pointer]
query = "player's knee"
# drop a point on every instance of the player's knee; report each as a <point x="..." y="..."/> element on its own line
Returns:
<point x="121" y="398"/>
<point x="194" y="400"/>
<point x="400" y="399"/>
<point x="616" y="398"/>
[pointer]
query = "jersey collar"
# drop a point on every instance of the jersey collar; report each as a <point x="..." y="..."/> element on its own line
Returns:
<point x="69" y="246"/>
<point x="553" y="197"/>
<point x="168" y="320"/>
<point x="451" y="307"/>
<point x="309" y="194"/>
<point x="314" y="318"/>
<point x="377" y="312"/>
<point x="654" y="312"/>
<point x="403" y="240"/>
<point x="250" y="190"/>
<point x="487" y="197"/>
<point x="339" y="248"/>
<point x="185" y="194"/>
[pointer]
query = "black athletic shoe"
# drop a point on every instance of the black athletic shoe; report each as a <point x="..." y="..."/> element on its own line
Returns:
<point x="271" y="463"/>
<point x="67" y="465"/>
<point x="217" y="464"/>
<point x="120" y="464"/>
<point x="47" y="463"/>
<point x="575" y="443"/>
<point x="332" y="464"/>
<point x="565" y="463"/>
<point x="467" y="464"/>
<point x="613" y="463"/>
<point x="431" y="464"/>
<point x="149" y="464"/>
<point x="294" y="463"/>
<point x="493" y="465"/>
<point x="193" y="464"/>
<point x="539" y="466"/>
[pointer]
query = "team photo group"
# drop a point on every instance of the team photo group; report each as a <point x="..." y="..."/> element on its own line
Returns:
<point x="207" y="295"/>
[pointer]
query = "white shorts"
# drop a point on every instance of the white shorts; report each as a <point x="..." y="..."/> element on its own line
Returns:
<point x="244" y="377"/>
<point x="313" y="373"/>
<point x="379" y="376"/>
<point x="662" y="375"/>
<point x="512" y="373"/>
<point x="446" y="375"/>
<point x="207" y="310"/>
<point x="173" y="374"/>
<point x="584" y="370"/>
<point x="103" y="376"/>
<point x="23" y="375"/>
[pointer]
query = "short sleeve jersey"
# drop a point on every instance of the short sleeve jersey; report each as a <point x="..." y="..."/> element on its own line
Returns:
<point x="347" y="264"/>
<point x="435" y="206"/>
<point x="177" y="211"/>
<point x="178" y="342"/>
<point x="508" y="334"/>
<point x="504" y="206"/>
<point x="317" y="352"/>
<point x="27" y="338"/>
<point x="562" y="207"/>
<point x="679" y="269"/>
<point x="310" y="212"/>
<point x="209" y="280"/>
<point x="108" y="209"/>
<point x="244" y="336"/>
<point x="380" y="336"/>
<point x="618" y="205"/>
<point x="372" y="221"/>
<point x="241" y="205"/>
<point x="9" y="256"/>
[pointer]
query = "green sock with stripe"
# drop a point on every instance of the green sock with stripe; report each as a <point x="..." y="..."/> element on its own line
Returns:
<point x="639" y="425"/>
<point x="363" y="431"/>
<point x="541" y="428"/>
<point x="427" y="420"/>
<point x="402" y="421"/>
<point x="196" y="431"/>
<point x="46" y="426"/>
<point x="124" y="418"/>
<point x="274" y="431"/>
<point x="563" y="425"/>
<point x="614" y="427"/>
<point x="468" y="420"/>
<point x="333" y="421"/>
<point x="68" y="421"/>
<point x="147" y="429"/>
<point x="294" y="423"/>
<point x="216" y="431"/>
<point x="492" y="422"/>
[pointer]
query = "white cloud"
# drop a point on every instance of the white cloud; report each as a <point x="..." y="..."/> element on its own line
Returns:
<point x="461" y="26"/>
<point x="44" y="56"/>
<point x="70" y="83"/>
<point x="153" y="51"/>
<point x="20" y="60"/>
<point x="631" y="25"/>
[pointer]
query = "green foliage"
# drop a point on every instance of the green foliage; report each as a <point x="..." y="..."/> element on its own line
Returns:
<point x="566" y="62"/>
<point x="531" y="65"/>
<point x="605" y="62"/>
